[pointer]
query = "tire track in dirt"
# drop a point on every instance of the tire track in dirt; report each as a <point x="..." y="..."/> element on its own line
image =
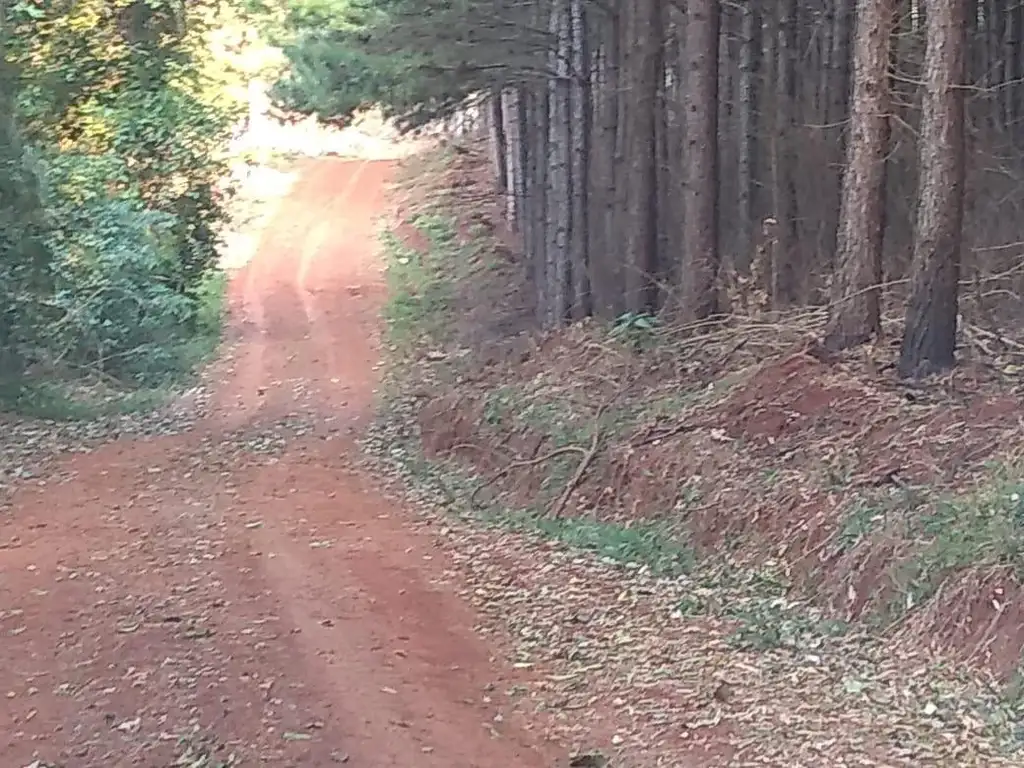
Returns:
<point x="277" y="603"/>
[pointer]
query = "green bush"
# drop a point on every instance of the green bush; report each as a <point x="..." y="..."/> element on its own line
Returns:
<point x="111" y="153"/>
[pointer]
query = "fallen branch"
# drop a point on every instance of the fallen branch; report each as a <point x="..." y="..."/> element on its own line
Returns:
<point x="657" y="436"/>
<point x="585" y="462"/>
<point x="521" y="465"/>
<point x="591" y="452"/>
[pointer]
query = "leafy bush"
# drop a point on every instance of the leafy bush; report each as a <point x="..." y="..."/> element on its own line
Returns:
<point x="111" y="155"/>
<point x="115" y="274"/>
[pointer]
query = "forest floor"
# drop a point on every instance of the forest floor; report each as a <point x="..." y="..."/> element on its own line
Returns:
<point x="717" y="545"/>
<point x="608" y="549"/>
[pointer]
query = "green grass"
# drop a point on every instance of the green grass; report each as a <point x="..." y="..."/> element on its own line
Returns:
<point x="419" y="282"/>
<point x="649" y="545"/>
<point x="985" y="528"/>
<point x="68" y="401"/>
<point x="662" y="549"/>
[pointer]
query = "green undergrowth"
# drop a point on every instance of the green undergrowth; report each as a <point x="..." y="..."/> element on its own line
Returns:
<point x="945" y="533"/>
<point x="62" y="393"/>
<point x="978" y="530"/>
<point x="419" y="282"/>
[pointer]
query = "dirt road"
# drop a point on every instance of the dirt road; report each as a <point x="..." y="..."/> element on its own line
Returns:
<point x="215" y="594"/>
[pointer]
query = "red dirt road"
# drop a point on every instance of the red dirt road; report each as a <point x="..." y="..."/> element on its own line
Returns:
<point x="179" y="595"/>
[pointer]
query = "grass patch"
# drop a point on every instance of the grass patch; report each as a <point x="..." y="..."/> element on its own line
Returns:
<point x="638" y="545"/>
<point x="513" y="408"/>
<point x="419" y="282"/>
<point x="888" y="509"/>
<point x="71" y="401"/>
<point x="656" y="546"/>
<point x="946" y="536"/>
<point x="769" y="623"/>
<point x="982" y="529"/>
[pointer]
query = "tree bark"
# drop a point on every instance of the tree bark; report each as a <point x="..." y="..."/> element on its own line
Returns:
<point x="559" y="160"/>
<point x="605" y="252"/>
<point x="498" y="141"/>
<point x="513" y="117"/>
<point x="788" y="266"/>
<point x="579" y="177"/>
<point x="855" y="314"/>
<point x="749" y="65"/>
<point x="838" y="97"/>
<point x="929" y="340"/>
<point x="537" y="195"/>
<point x="700" y="222"/>
<point x="641" y="223"/>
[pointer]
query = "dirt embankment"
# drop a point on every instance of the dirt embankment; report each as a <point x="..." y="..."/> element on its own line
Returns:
<point x="836" y="473"/>
<point x="875" y="507"/>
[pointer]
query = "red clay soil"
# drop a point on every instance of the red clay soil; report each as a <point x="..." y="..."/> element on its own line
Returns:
<point x="276" y="608"/>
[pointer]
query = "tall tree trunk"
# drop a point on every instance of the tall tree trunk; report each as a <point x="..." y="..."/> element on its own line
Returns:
<point x="498" y="142"/>
<point x="788" y="266"/>
<point x="559" y="158"/>
<point x="663" y="171"/>
<point x="641" y="224"/>
<point x="513" y="117"/>
<point x="995" y="23"/>
<point x="674" y="174"/>
<point x="929" y="340"/>
<point x="700" y="223"/>
<point x="580" y="183"/>
<point x="537" y="196"/>
<point x="855" y="314"/>
<point x="838" y="96"/>
<point x="618" y="222"/>
<point x="749" y="65"/>
<point x="605" y="256"/>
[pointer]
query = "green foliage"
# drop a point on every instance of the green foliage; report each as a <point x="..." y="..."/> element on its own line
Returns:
<point x="635" y="329"/>
<point x="419" y="289"/>
<point x="416" y="59"/>
<point x="985" y="529"/>
<point x="649" y="545"/>
<point x="23" y="226"/>
<point x="111" y="155"/>
<point x="116" y="278"/>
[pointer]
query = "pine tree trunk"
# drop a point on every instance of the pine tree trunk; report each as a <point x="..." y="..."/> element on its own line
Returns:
<point x="700" y="223"/>
<point x="673" y="175"/>
<point x="788" y="265"/>
<point x="641" y="193"/>
<point x="749" y="65"/>
<point x="836" y="117"/>
<point x="580" y="182"/>
<point x="605" y="253"/>
<point x="559" y="193"/>
<point x="498" y="142"/>
<point x="929" y="340"/>
<point x="512" y="118"/>
<point x="537" y="196"/>
<point x="856" y="309"/>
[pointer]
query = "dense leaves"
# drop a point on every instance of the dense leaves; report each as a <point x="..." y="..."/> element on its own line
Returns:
<point x="110" y="165"/>
<point x="416" y="60"/>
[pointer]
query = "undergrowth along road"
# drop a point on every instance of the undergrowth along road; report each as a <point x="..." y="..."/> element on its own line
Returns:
<point x="767" y="558"/>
